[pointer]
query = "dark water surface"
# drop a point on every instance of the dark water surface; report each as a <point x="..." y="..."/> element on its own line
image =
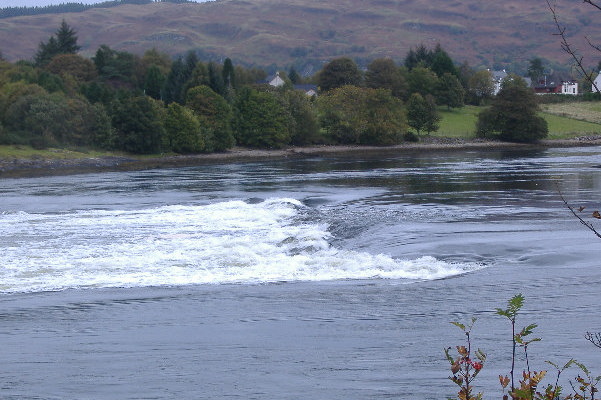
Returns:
<point x="322" y="278"/>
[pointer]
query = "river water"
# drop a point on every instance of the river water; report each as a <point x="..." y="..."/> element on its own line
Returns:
<point x="320" y="278"/>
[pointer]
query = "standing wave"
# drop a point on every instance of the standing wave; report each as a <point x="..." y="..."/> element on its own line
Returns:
<point x="222" y="243"/>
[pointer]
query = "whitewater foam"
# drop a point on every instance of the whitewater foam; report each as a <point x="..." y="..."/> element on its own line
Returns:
<point x="221" y="243"/>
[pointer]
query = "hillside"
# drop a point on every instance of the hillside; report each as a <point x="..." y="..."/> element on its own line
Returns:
<point x="301" y="32"/>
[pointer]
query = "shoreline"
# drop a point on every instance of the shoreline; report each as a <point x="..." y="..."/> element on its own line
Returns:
<point x="39" y="167"/>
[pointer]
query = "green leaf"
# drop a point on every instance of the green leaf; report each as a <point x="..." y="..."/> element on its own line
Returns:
<point x="446" y="352"/>
<point x="459" y="325"/>
<point x="582" y="367"/>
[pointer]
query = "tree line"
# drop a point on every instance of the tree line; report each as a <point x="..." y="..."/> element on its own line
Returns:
<point x="9" y="12"/>
<point x="154" y="104"/>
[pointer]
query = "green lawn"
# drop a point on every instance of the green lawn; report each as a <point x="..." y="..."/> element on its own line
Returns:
<point x="461" y="123"/>
<point x="20" y="151"/>
<point x="458" y="123"/>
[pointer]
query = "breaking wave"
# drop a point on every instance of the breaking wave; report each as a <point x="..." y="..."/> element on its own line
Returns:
<point x="221" y="243"/>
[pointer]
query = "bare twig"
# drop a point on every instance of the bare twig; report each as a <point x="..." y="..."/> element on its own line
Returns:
<point x="593" y="3"/>
<point x="569" y="48"/>
<point x="594" y="338"/>
<point x="582" y="221"/>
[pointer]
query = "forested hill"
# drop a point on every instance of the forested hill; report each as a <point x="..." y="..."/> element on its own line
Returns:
<point x="308" y="32"/>
<point x="8" y="12"/>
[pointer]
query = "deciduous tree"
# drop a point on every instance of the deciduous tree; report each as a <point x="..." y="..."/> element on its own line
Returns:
<point x="183" y="132"/>
<point x="422" y="114"/>
<point x="422" y="80"/>
<point x="354" y="115"/>
<point x="138" y="123"/>
<point x="337" y="73"/>
<point x="214" y="114"/>
<point x="383" y="73"/>
<point x="512" y="115"/>
<point x="480" y="87"/>
<point x="260" y="120"/>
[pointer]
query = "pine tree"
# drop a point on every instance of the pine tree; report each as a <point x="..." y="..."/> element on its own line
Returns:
<point x="67" y="39"/>
<point x="63" y="42"/>
<point x="228" y="74"/>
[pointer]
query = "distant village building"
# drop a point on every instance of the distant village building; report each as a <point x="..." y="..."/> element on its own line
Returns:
<point x="555" y="84"/>
<point x="310" y="90"/>
<point x="275" y="80"/>
<point x="497" y="78"/>
<point x="597" y="82"/>
<point x="547" y="84"/>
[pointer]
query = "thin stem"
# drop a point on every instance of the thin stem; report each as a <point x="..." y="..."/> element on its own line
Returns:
<point x="567" y="47"/>
<point x="583" y="222"/>
<point x="513" y="351"/>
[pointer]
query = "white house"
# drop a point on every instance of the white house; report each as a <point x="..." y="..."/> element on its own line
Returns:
<point x="569" y="87"/>
<point x="310" y="90"/>
<point x="275" y="80"/>
<point x="497" y="79"/>
<point x="597" y="83"/>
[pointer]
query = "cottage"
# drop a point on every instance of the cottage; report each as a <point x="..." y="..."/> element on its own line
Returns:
<point x="275" y="80"/>
<point x="310" y="90"/>
<point x="596" y="87"/>
<point x="555" y="85"/>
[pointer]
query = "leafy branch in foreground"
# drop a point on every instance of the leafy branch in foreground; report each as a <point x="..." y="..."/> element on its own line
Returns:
<point x="465" y="370"/>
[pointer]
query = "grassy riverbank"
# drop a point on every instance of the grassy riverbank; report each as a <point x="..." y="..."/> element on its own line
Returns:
<point x="565" y="120"/>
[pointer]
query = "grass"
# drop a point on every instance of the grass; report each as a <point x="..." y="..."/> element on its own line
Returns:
<point x="459" y="122"/>
<point x="565" y="121"/>
<point x="584" y="111"/>
<point x="27" y="152"/>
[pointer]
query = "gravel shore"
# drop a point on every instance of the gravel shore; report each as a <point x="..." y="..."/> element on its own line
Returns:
<point x="18" y="167"/>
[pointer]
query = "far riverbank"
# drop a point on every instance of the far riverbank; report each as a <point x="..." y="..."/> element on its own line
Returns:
<point x="13" y="167"/>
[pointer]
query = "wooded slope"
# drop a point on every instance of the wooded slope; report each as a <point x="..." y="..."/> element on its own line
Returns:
<point x="308" y="32"/>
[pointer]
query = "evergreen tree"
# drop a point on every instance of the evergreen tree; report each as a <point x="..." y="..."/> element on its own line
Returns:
<point x="228" y="74"/>
<point x="294" y="77"/>
<point x="421" y="56"/>
<point x="63" y="42"/>
<point x="172" y="91"/>
<point x="154" y="82"/>
<point x="215" y="79"/>
<point x="117" y="66"/>
<point x="449" y="91"/>
<point x="67" y="39"/>
<point x="536" y="69"/>
<point x="442" y="62"/>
